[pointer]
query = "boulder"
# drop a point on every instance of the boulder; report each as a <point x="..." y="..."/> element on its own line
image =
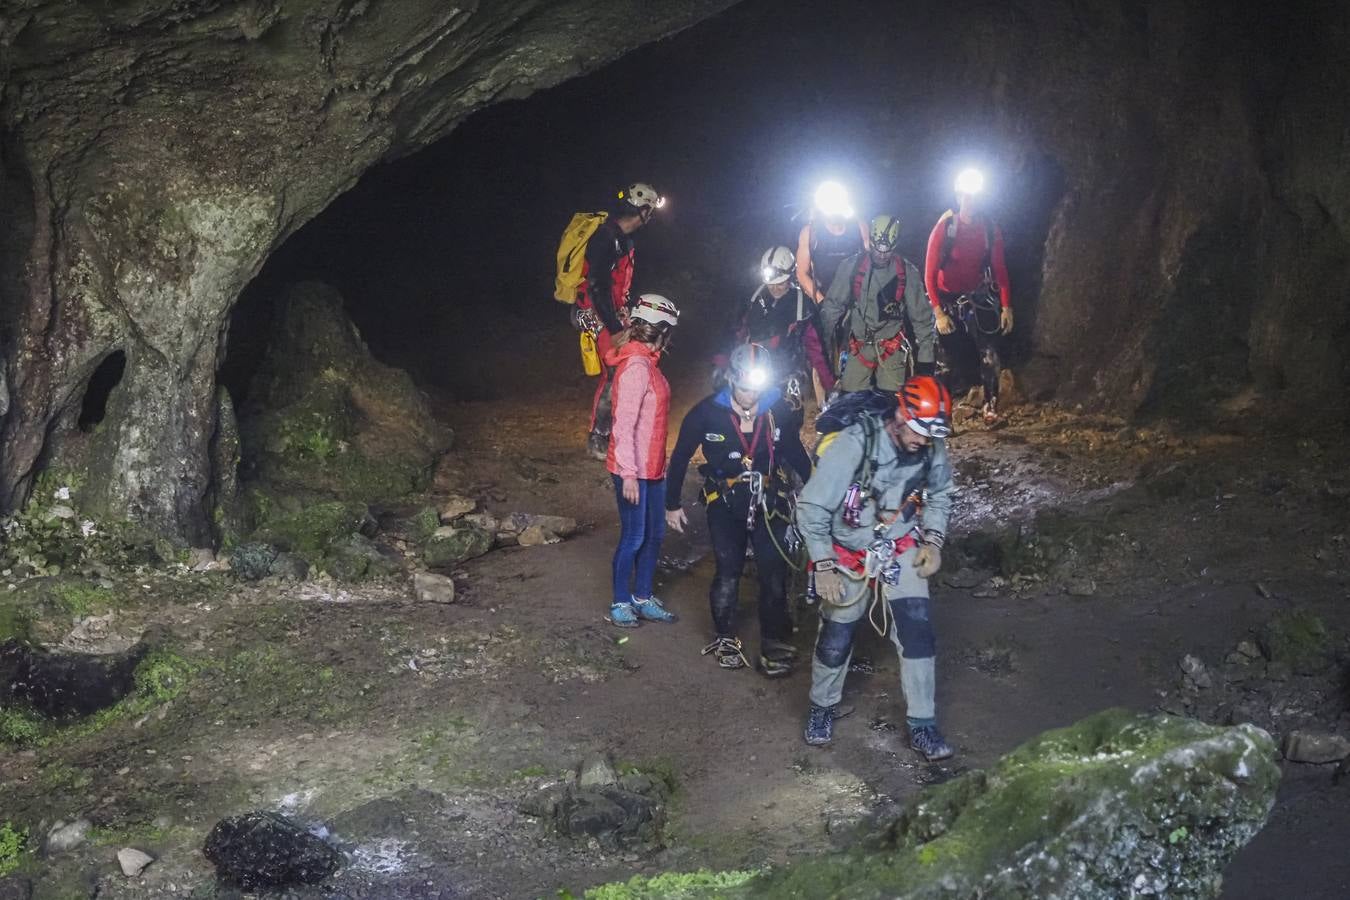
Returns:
<point x="356" y="557"/>
<point x="597" y="771"/>
<point x="562" y="526"/>
<point x="432" y="588"/>
<point x="453" y="544"/>
<point x="1298" y="639"/>
<point x="421" y="524"/>
<point x="536" y="536"/>
<point x="133" y="861"/>
<point x="66" y="836"/>
<point x="1314" y="747"/>
<point x="65" y="685"/>
<point x="456" y="506"/>
<point x="1120" y="804"/>
<point x="253" y="561"/>
<point x="264" y="849"/>
<point x="290" y="567"/>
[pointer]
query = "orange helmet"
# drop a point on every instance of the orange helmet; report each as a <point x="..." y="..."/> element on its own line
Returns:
<point x="926" y="406"/>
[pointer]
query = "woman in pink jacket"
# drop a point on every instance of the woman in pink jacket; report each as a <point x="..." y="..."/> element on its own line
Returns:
<point x="637" y="459"/>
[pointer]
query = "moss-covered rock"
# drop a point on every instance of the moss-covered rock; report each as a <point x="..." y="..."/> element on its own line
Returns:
<point x="453" y="544"/>
<point x="356" y="557"/>
<point x="1299" y="639"/>
<point x="311" y="529"/>
<point x="1120" y="804"/>
<point x="327" y="418"/>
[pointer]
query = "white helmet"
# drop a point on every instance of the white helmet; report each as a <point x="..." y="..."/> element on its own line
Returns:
<point x="641" y="195"/>
<point x="777" y="265"/>
<point x="657" y="310"/>
<point x="750" y="369"/>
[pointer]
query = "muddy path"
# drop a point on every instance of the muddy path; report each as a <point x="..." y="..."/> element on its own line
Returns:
<point x="412" y="732"/>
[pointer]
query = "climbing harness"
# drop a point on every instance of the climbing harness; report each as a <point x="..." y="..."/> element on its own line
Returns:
<point x="971" y="306"/>
<point x="728" y="653"/>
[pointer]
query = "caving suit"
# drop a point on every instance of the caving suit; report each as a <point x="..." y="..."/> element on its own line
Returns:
<point x="604" y="294"/>
<point x="963" y="268"/>
<point x="871" y="305"/>
<point x="888" y="512"/>
<point x="770" y="447"/>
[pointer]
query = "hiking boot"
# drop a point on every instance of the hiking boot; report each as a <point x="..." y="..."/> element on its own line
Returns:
<point x="929" y="741"/>
<point x="727" y="652"/>
<point x="597" y="446"/>
<point x="624" y="615"/>
<point x="652" y="610"/>
<point x="820" y="725"/>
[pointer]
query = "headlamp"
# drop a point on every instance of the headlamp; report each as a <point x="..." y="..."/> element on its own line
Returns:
<point x="832" y="200"/>
<point x="769" y="273"/>
<point x="757" y="377"/>
<point x="970" y="181"/>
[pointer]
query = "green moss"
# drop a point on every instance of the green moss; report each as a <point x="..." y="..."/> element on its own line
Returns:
<point x="1298" y="638"/>
<point x="80" y="599"/>
<point x="12" y="843"/>
<point x="139" y="834"/>
<point x="671" y="886"/>
<point x="15" y="625"/>
<point x="162" y="676"/>
<point x="313" y="528"/>
<point x="19" y="728"/>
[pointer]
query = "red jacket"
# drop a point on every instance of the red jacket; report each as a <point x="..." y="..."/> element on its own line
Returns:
<point x="641" y="398"/>
<point x="964" y="268"/>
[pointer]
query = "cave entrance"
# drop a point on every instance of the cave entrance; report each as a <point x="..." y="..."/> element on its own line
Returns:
<point x="94" y="406"/>
<point x="444" y="258"/>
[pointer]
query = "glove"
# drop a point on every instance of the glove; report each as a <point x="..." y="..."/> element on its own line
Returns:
<point x="676" y="520"/>
<point x="927" y="561"/>
<point x="944" y="322"/>
<point x="1005" y="321"/>
<point x="830" y="587"/>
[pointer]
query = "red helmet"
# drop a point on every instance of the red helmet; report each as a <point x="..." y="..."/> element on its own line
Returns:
<point x="926" y="406"/>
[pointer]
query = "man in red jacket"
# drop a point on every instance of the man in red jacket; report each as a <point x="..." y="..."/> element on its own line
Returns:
<point x="967" y="281"/>
<point x="604" y="300"/>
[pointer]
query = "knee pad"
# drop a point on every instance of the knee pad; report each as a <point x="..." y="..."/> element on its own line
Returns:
<point x="912" y="625"/>
<point x="834" y="642"/>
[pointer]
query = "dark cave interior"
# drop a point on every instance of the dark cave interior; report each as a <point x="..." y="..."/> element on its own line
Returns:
<point x="433" y="251"/>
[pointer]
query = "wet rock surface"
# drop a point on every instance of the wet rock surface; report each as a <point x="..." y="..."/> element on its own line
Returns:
<point x="597" y="803"/>
<point x="63" y="685"/>
<point x="1120" y="802"/>
<point x="267" y="850"/>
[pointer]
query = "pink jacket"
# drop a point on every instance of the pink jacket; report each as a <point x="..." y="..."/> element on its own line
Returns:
<point x="641" y="398"/>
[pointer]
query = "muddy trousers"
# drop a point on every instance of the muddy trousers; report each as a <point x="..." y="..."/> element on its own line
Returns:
<point x="967" y="349"/>
<point x="726" y="529"/>
<point x="887" y="375"/>
<point x="911" y="631"/>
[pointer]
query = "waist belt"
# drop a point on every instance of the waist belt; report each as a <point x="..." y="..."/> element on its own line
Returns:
<point x="715" y="487"/>
<point x="856" y="560"/>
<point x="885" y="349"/>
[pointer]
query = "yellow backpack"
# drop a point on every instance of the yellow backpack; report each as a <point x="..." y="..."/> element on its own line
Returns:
<point x="572" y="254"/>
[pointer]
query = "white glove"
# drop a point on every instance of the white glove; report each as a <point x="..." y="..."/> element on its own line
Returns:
<point x="830" y="587"/>
<point x="927" y="561"/>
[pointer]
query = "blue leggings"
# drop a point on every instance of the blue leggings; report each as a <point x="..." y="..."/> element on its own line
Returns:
<point x="642" y="527"/>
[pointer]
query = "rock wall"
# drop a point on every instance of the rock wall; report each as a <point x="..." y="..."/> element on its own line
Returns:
<point x="155" y="152"/>
<point x="1199" y="254"/>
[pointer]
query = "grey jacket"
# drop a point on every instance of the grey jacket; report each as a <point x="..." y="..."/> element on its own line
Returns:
<point x="820" y="511"/>
<point x="864" y="315"/>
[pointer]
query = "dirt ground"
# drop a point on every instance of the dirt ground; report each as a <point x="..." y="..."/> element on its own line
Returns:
<point x="332" y="702"/>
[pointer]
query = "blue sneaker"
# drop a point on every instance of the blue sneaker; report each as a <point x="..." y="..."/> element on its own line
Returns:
<point x="929" y="741"/>
<point x="820" y="725"/>
<point x="652" y="610"/>
<point x="624" y="615"/>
